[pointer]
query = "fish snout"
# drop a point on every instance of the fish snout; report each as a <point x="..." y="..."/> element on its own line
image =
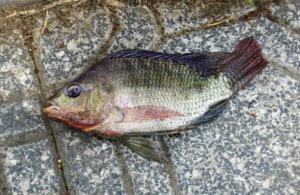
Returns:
<point x="51" y="107"/>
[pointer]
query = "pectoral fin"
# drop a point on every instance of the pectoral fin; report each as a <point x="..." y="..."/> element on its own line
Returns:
<point x="142" y="147"/>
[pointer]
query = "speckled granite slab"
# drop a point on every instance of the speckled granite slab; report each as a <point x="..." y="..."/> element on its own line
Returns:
<point x="252" y="148"/>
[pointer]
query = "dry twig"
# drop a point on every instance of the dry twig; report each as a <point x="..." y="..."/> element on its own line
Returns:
<point x="45" y="22"/>
<point x="219" y="22"/>
<point x="36" y="11"/>
<point x="114" y="3"/>
<point x="216" y="3"/>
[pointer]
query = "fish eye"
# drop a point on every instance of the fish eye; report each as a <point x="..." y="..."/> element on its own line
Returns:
<point x="73" y="90"/>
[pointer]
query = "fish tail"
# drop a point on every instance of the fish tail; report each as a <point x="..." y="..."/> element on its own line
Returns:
<point x="245" y="62"/>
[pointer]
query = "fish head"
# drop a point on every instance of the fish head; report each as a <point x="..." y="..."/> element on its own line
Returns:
<point x="77" y="104"/>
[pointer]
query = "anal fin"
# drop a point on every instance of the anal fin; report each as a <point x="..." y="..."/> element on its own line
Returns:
<point x="212" y="113"/>
<point x="142" y="147"/>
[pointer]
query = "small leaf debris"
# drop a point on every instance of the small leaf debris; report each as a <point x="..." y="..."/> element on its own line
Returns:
<point x="253" y="114"/>
<point x="59" y="164"/>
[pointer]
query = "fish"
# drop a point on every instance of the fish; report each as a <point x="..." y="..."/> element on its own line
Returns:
<point x="134" y="93"/>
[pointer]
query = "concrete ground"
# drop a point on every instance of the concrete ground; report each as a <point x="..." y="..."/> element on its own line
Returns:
<point x="252" y="148"/>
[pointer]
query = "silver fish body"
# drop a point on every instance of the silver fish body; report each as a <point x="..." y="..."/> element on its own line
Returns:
<point x="135" y="92"/>
<point x="160" y="97"/>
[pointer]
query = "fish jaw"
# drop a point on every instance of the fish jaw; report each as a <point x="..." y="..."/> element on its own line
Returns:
<point x="83" y="122"/>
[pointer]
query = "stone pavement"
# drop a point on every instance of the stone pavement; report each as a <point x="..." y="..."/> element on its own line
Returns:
<point x="252" y="148"/>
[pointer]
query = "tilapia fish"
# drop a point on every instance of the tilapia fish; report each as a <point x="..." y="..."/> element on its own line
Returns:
<point x="135" y="93"/>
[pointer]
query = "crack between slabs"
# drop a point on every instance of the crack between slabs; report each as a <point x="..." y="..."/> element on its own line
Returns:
<point x="257" y="12"/>
<point x="284" y="69"/>
<point x="245" y="17"/>
<point x="265" y="11"/>
<point x="30" y="44"/>
<point x="169" y="166"/>
<point x="3" y="180"/>
<point x="282" y="23"/>
<point x="125" y="175"/>
<point x="158" y="26"/>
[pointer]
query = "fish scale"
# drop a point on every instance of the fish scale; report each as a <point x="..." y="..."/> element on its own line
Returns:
<point x="193" y="98"/>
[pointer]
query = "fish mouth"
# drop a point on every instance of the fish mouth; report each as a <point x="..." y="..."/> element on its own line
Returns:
<point x="52" y="110"/>
<point x="58" y="114"/>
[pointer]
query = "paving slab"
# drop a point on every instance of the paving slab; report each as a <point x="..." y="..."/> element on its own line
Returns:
<point x="288" y="10"/>
<point x="17" y="79"/>
<point x="177" y="17"/>
<point x="21" y="118"/>
<point x="277" y="42"/>
<point x="90" y="163"/>
<point x="137" y="29"/>
<point x="31" y="169"/>
<point x="65" y="51"/>
<point x="238" y="152"/>
<point x="251" y="148"/>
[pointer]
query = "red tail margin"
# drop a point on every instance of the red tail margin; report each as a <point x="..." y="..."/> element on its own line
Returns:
<point x="245" y="62"/>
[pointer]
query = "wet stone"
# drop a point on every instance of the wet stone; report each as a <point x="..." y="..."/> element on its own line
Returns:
<point x="177" y="17"/>
<point x="252" y="146"/>
<point x="22" y="117"/>
<point x="16" y="70"/>
<point x="137" y="29"/>
<point x="278" y="44"/>
<point x="148" y="177"/>
<point x="30" y="169"/>
<point x="288" y="10"/>
<point x="66" y="51"/>
<point x="90" y="163"/>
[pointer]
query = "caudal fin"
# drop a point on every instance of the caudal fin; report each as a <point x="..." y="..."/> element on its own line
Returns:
<point x="245" y="62"/>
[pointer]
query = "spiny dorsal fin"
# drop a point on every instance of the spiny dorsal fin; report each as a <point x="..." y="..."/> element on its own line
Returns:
<point x="205" y="63"/>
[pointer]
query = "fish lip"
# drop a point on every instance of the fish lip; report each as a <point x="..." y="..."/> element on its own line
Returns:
<point x="52" y="110"/>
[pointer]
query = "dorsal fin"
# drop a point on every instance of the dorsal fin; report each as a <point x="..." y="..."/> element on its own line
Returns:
<point x="205" y="63"/>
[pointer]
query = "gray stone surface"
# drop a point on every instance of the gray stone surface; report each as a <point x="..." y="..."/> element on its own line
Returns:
<point x="253" y="147"/>
<point x="278" y="43"/>
<point x="21" y="117"/>
<point x="177" y="17"/>
<point x="288" y="10"/>
<point x="148" y="177"/>
<point x="90" y="163"/>
<point x="240" y="153"/>
<point x="31" y="169"/>
<point x="16" y="75"/>
<point x="66" y="51"/>
<point x="137" y="29"/>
